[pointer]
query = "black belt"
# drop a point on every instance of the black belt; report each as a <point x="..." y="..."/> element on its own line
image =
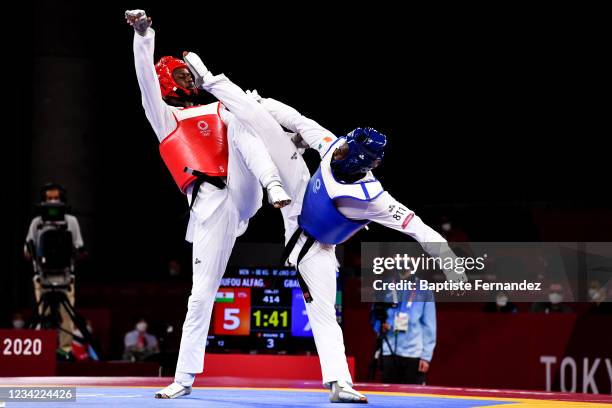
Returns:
<point x="202" y="178"/>
<point x="287" y="251"/>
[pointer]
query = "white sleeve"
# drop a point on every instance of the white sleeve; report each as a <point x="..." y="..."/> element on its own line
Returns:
<point x="158" y="112"/>
<point x="314" y="134"/>
<point x="75" y="230"/>
<point x="32" y="229"/>
<point x="387" y="211"/>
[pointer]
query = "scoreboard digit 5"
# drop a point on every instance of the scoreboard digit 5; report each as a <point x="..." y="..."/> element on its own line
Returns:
<point x="232" y="314"/>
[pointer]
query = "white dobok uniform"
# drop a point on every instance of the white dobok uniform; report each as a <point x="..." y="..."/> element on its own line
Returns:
<point x="319" y="265"/>
<point x="218" y="216"/>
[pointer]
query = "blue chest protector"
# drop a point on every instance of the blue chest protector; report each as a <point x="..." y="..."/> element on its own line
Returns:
<point x="321" y="219"/>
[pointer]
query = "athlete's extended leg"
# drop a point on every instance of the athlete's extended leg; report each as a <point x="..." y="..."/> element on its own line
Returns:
<point x="291" y="167"/>
<point x="251" y="166"/>
<point x="290" y="163"/>
<point x="288" y="159"/>
<point x="285" y="154"/>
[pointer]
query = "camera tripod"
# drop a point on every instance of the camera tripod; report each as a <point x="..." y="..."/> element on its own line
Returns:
<point x="53" y="300"/>
<point x="378" y="353"/>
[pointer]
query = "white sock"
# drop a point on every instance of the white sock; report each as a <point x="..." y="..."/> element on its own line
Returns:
<point x="185" y="379"/>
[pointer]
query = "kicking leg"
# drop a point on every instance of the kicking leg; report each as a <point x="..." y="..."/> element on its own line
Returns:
<point x="257" y="119"/>
<point x="251" y="156"/>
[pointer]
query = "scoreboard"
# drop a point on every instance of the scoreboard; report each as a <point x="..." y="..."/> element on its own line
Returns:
<point x="260" y="309"/>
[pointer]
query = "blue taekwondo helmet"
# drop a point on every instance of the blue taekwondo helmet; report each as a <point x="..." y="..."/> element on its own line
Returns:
<point x="366" y="147"/>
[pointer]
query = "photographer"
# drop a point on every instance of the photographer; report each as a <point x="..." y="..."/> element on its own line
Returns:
<point x="406" y="325"/>
<point x="54" y="194"/>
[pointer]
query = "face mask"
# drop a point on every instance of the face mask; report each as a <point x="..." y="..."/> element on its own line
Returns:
<point x="502" y="301"/>
<point x="446" y="226"/>
<point x="18" y="324"/>
<point x="555" y="298"/>
<point x="141" y="327"/>
<point x="53" y="200"/>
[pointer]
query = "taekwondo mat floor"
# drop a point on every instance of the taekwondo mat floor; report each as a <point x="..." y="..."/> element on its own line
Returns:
<point x="214" y="392"/>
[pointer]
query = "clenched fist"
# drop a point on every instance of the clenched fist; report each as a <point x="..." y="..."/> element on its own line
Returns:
<point x="139" y="20"/>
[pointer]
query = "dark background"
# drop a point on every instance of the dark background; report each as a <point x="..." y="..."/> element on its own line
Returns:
<point x="491" y="115"/>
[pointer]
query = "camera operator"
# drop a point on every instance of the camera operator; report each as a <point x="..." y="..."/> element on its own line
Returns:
<point x="408" y="331"/>
<point x="50" y="194"/>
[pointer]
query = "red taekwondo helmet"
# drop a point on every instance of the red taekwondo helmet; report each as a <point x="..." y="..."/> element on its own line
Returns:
<point x="164" y="68"/>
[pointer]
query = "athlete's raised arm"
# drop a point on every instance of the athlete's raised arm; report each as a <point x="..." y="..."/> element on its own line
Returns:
<point x="157" y="111"/>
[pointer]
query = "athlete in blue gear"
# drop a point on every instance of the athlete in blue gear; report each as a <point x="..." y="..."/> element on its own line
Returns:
<point x="342" y="197"/>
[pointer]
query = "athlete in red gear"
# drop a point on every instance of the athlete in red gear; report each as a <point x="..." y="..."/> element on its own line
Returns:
<point x="219" y="149"/>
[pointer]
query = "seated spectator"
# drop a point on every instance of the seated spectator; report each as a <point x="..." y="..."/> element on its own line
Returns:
<point x="598" y="296"/>
<point x="139" y="344"/>
<point x="18" y="322"/>
<point x="501" y="305"/>
<point x="555" y="301"/>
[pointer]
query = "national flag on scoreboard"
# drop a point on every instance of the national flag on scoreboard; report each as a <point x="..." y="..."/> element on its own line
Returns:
<point x="232" y="312"/>
<point x="225" y="297"/>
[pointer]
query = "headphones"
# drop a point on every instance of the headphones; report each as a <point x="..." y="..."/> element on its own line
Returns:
<point x="53" y="186"/>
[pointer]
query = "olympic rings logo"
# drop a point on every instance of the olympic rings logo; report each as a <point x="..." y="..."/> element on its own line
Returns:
<point x="316" y="186"/>
<point x="203" y="126"/>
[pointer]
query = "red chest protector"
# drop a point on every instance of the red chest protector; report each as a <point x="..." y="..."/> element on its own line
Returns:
<point x="198" y="142"/>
